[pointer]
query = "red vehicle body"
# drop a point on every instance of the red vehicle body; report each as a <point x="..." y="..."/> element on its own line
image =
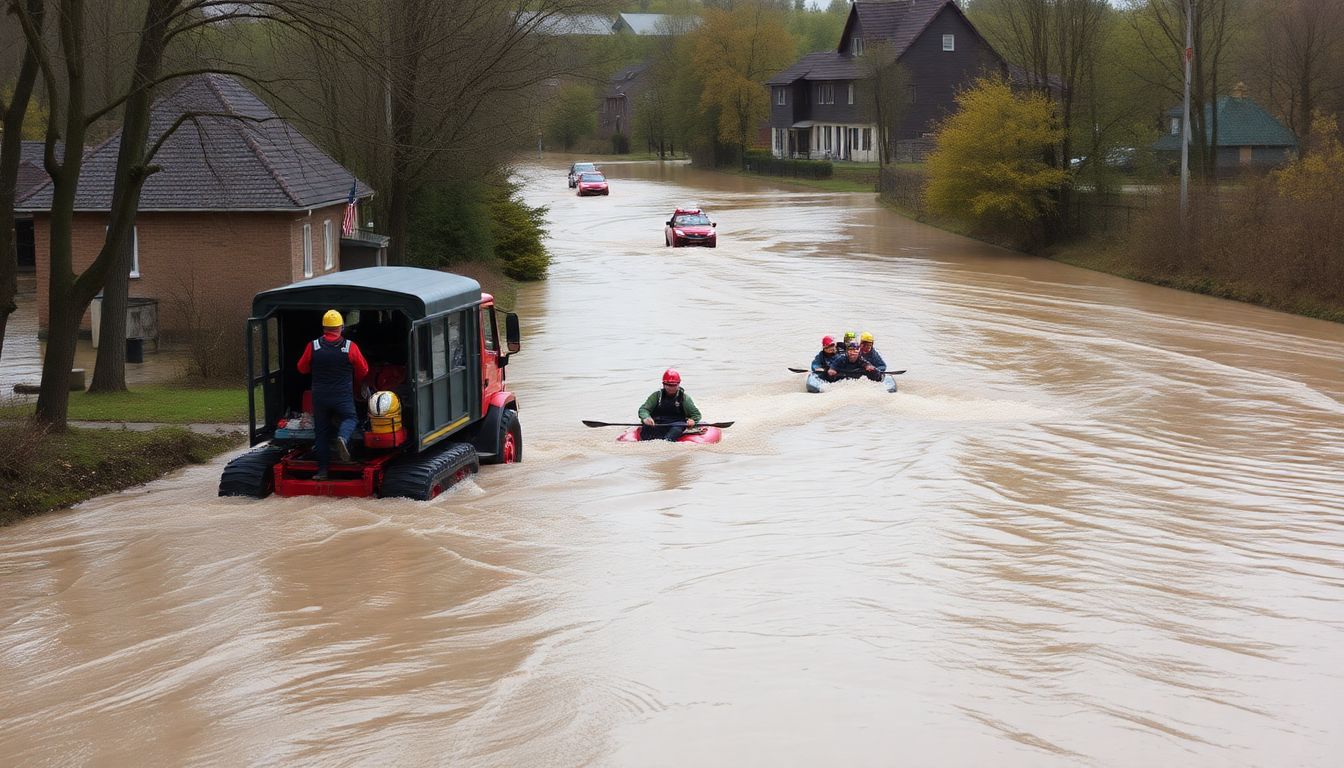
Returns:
<point x="433" y="339"/>
<point x="592" y="184"/>
<point x="690" y="226"/>
<point x="692" y="435"/>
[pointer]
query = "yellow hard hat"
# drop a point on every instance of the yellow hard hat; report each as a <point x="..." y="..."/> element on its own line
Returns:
<point x="332" y="319"/>
<point x="865" y="336"/>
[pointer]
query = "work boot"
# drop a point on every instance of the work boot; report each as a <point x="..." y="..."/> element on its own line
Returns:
<point x="342" y="450"/>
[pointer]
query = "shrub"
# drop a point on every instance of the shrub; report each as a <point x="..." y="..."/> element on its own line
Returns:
<point x="761" y="161"/>
<point x="213" y="331"/>
<point x="450" y="223"/>
<point x="518" y="232"/>
<point x="988" y="167"/>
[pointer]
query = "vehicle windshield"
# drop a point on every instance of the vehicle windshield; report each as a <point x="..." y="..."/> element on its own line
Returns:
<point x="692" y="220"/>
<point x="593" y="177"/>
<point x="581" y="167"/>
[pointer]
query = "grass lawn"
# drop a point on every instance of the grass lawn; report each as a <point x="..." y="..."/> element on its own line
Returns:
<point x="163" y="404"/>
<point x="41" y="472"/>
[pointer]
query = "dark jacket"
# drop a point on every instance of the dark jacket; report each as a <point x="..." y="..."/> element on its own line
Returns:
<point x="822" y="361"/>
<point x="847" y="370"/>
<point x="664" y="409"/>
<point x="875" y="359"/>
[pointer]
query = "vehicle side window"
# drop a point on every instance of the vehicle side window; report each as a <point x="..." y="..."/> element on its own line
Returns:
<point x="423" y="357"/>
<point x="457" y="353"/>
<point x="488" y="329"/>
<point x="439" y="353"/>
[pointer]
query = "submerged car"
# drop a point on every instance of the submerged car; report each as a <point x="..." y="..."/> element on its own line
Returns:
<point x="578" y="169"/>
<point x="592" y="184"/>
<point x="690" y="226"/>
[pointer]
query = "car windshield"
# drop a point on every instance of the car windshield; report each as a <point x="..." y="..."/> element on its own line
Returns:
<point x="593" y="177"/>
<point x="692" y="220"/>
<point x="581" y="167"/>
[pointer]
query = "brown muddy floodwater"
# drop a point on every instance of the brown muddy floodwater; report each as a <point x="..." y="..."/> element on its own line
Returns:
<point x="1101" y="524"/>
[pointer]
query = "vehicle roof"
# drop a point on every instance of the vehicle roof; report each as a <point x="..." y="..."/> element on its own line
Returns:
<point x="686" y="210"/>
<point x="590" y="165"/>
<point x="417" y="292"/>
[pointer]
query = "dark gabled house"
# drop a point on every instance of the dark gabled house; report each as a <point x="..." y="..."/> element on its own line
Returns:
<point x="815" y="109"/>
<point x="1249" y="138"/>
<point x="241" y="202"/>
<point x="617" y="108"/>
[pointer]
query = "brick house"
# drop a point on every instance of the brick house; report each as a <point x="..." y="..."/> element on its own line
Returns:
<point x="815" y="110"/>
<point x="242" y="202"/>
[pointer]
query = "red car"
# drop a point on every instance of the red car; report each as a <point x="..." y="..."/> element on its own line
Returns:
<point x="690" y="226"/>
<point x="592" y="184"/>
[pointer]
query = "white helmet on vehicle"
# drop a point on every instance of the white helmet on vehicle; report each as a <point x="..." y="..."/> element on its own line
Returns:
<point x="384" y="404"/>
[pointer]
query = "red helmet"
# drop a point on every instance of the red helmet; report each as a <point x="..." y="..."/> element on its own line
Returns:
<point x="670" y="376"/>
<point x="827" y="341"/>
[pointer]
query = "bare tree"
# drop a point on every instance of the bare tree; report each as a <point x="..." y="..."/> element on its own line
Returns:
<point x="1298" y="52"/>
<point x="65" y="74"/>
<point x="12" y="114"/>
<point x="884" y="90"/>
<point x="1160" y="27"/>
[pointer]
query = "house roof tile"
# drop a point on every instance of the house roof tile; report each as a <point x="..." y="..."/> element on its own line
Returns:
<point x="237" y="154"/>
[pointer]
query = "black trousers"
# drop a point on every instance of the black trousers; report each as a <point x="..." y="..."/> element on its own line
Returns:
<point x="670" y="432"/>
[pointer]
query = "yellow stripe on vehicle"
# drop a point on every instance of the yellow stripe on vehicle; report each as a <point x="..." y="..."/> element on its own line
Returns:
<point x="445" y="430"/>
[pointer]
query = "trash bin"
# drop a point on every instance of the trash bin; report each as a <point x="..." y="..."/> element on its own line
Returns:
<point x="135" y="350"/>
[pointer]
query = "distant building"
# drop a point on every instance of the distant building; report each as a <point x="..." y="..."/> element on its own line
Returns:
<point x="653" y="24"/>
<point x="815" y="110"/>
<point x="1249" y="138"/>
<point x="562" y="24"/>
<point x="616" y="111"/>
<point x="241" y="202"/>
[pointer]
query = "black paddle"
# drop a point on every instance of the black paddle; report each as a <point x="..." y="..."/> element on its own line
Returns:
<point x="719" y="424"/>
<point x="807" y="370"/>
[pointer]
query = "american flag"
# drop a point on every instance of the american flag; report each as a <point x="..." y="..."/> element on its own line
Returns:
<point x="348" y="225"/>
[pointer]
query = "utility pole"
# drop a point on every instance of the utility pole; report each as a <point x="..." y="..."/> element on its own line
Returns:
<point x="1189" y="54"/>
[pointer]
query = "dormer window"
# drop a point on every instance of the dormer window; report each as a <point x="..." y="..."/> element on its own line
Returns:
<point x="949" y="42"/>
<point x="1175" y="126"/>
<point x="779" y="96"/>
<point x="856" y="46"/>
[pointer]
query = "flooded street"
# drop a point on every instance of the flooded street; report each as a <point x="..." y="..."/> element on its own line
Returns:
<point x="1100" y="524"/>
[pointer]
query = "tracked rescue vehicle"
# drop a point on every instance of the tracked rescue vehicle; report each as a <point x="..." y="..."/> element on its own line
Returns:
<point x="432" y="409"/>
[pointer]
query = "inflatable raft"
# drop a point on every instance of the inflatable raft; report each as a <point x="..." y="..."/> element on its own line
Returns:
<point x="692" y="435"/>
<point x="817" y="384"/>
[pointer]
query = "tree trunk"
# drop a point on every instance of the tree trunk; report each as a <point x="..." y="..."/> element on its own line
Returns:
<point x="109" y="373"/>
<point x="10" y="146"/>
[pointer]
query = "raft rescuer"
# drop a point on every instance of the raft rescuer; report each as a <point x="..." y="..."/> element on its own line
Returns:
<point x="669" y="411"/>
<point x="337" y="366"/>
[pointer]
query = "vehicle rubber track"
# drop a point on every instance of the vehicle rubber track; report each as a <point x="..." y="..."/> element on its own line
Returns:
<point x="252" y="473"/>
<point x="425" y="476"/>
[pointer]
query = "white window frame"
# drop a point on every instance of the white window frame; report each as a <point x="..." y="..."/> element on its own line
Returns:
<point x="779" y="97"/>
<point x="1175" y="126"/>
<point x="307" y="249"/>
<point x="328" y="253"/>
<point x="949" y="42"/>
<point x="825" y="93"/>
<point x="135" y="251"/>
<point x="856" y="45"/>
<point x="851" y="93"/>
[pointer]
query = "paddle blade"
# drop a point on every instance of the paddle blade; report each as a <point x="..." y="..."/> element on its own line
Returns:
<point x="719" y="424"/>
<point x="799" y="370"/>
<point x="588" y="423"/>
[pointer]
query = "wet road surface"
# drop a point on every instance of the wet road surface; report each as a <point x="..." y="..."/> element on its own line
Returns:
<point x="1100" y="525"/>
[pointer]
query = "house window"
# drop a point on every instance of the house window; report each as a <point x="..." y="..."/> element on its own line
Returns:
<point x="851" y="93"/>
<point x="856" y="46"/>
<point x="307" y="250"/>
<point x="328" y="252"/>
<point x="779" y="96"/>
<point x="135" y="250"/>
<point x="826" y="138"/>
<point x="1175" y="126"/>
<point x="949" y="42"/>
<point x="867" y="139"/>
<point x="825" y="93"/>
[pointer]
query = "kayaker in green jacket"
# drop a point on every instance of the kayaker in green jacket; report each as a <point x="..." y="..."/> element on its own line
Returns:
<point x="668" y="412"/>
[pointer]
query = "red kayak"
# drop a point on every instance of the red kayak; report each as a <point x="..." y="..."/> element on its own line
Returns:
<point x="692" y="435"/>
